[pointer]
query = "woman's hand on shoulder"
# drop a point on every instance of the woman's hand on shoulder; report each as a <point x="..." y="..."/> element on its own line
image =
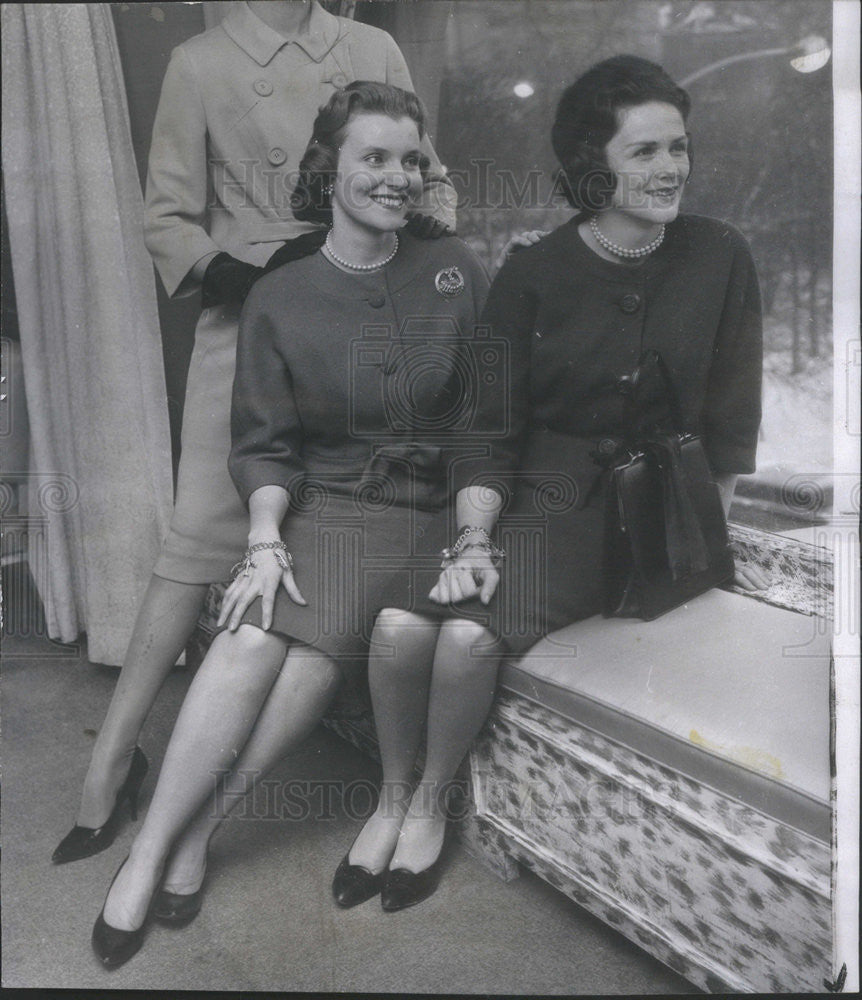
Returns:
<point x="260" y="575"/>
<point x="426" y="227"/>
<point x="470" y="574"/>
<point x="527" y="239"/>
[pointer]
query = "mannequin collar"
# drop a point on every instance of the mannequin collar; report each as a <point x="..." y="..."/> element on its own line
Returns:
<point x="261" y="42"/>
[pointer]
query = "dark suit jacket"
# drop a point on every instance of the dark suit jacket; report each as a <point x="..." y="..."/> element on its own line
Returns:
<point x="575" y="323"/>
<point x="343" y="379"/>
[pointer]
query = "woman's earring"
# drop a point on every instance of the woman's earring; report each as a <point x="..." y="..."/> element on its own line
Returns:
<point x="328" y="190"/>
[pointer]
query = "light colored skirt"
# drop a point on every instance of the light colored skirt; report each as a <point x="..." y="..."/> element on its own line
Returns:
<point x="209" y="528"/>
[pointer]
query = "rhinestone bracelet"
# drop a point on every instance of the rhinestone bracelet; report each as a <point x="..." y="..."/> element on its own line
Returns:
<point x="495" y="553"/>
<point x="247" y="564"/>
<point x="450" y="554"/>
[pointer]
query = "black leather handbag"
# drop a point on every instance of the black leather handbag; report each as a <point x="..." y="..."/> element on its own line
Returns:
<point x="665" y="533"/>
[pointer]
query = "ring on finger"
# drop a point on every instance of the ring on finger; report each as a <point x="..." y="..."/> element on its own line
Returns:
<point x="284" y="559"/>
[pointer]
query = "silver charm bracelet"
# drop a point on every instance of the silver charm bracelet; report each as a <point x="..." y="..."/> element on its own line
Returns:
<point x="247" y="564"/>
<point x="450" y="554"/>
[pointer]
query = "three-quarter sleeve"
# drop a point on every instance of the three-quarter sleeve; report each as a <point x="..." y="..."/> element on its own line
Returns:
<point x="732" y="409"/>
<point x="265" y="423"/>
<point x="502" y="348"/>
<point x="176" y="198"/>
<point x="438" y="194"/>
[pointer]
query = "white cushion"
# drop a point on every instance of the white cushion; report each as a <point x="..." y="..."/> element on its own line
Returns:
<point x="728" y="688"/>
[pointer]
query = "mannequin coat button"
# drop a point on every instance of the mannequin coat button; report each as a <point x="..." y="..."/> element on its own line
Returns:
<point x="377" y="300"/>
<point x="262" y="87"/>
<point x="277" y="156"/>
<point x="339" y="80"/>
<point x="630" y="303"/>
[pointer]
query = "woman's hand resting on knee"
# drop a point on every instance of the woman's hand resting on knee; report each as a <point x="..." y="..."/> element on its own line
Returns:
<point x="470" y="574"/>
<point x="259" y="576"/>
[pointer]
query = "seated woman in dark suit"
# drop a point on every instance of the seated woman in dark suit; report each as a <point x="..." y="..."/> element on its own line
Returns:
<point x="628" y="273"/>
<point x="347" y="386"/>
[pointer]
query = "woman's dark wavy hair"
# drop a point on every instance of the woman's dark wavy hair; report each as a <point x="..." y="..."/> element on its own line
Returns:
<point x="310" y="201"/>
<point x="587" y="120"/>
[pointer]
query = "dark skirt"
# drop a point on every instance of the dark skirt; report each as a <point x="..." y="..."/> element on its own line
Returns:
<point x="350" y="564"/>
<point x="551" y="576"/>
<point x="350" y="560"/>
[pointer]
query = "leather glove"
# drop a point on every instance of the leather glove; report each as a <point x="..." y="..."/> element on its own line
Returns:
<point x="227" y="279"/>
<point x="295" y="249"/>
<point x="426" y="227"/>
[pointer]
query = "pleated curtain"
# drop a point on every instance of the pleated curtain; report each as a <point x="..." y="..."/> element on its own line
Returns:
<point x="100" y="464"/>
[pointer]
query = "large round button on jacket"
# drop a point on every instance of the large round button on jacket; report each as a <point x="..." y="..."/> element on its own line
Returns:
<point x="377" y="300"/>
<point x="262" y="87"/>
<point x="277" y="156"/>
<point x="630" y="303"/>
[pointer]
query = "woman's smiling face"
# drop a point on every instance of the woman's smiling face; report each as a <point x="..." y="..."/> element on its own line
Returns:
<point x="378" y="173"/>
<point x="649" y="156"/>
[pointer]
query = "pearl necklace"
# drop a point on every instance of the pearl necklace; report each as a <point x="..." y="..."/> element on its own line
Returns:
<point x="615" y="248"/>
<point x="358" y="267"/>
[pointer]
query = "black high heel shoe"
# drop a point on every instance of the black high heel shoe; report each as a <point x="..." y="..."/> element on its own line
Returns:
<point x="114" y="947"/>
<point x="354" y="884"/>
<point x="403" y="888"/>
<point x="178" y="908"/>
<point x="84" y="841"/>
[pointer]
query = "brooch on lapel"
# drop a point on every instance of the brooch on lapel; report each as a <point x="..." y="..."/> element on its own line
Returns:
<point x="449" y="282"/>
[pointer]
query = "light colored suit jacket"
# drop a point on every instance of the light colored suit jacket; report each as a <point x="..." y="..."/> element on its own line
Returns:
<point x="236" y="112"/>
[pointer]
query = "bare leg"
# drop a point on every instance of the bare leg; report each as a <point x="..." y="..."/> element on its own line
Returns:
<point x="213" y="726"/>
<point x="165" y="621"/>
<point x="296" y="703"/>
<point x="399" y="674"/>
<point x="462" y="690"/>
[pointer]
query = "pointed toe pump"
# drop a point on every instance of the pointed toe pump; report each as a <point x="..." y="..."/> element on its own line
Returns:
<point x="176" y="909"/>
<point x="354" y="884"/>
<point x="403" y="888"/>
<point x="84" y="841"/>
<point x="113" y="946"/>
